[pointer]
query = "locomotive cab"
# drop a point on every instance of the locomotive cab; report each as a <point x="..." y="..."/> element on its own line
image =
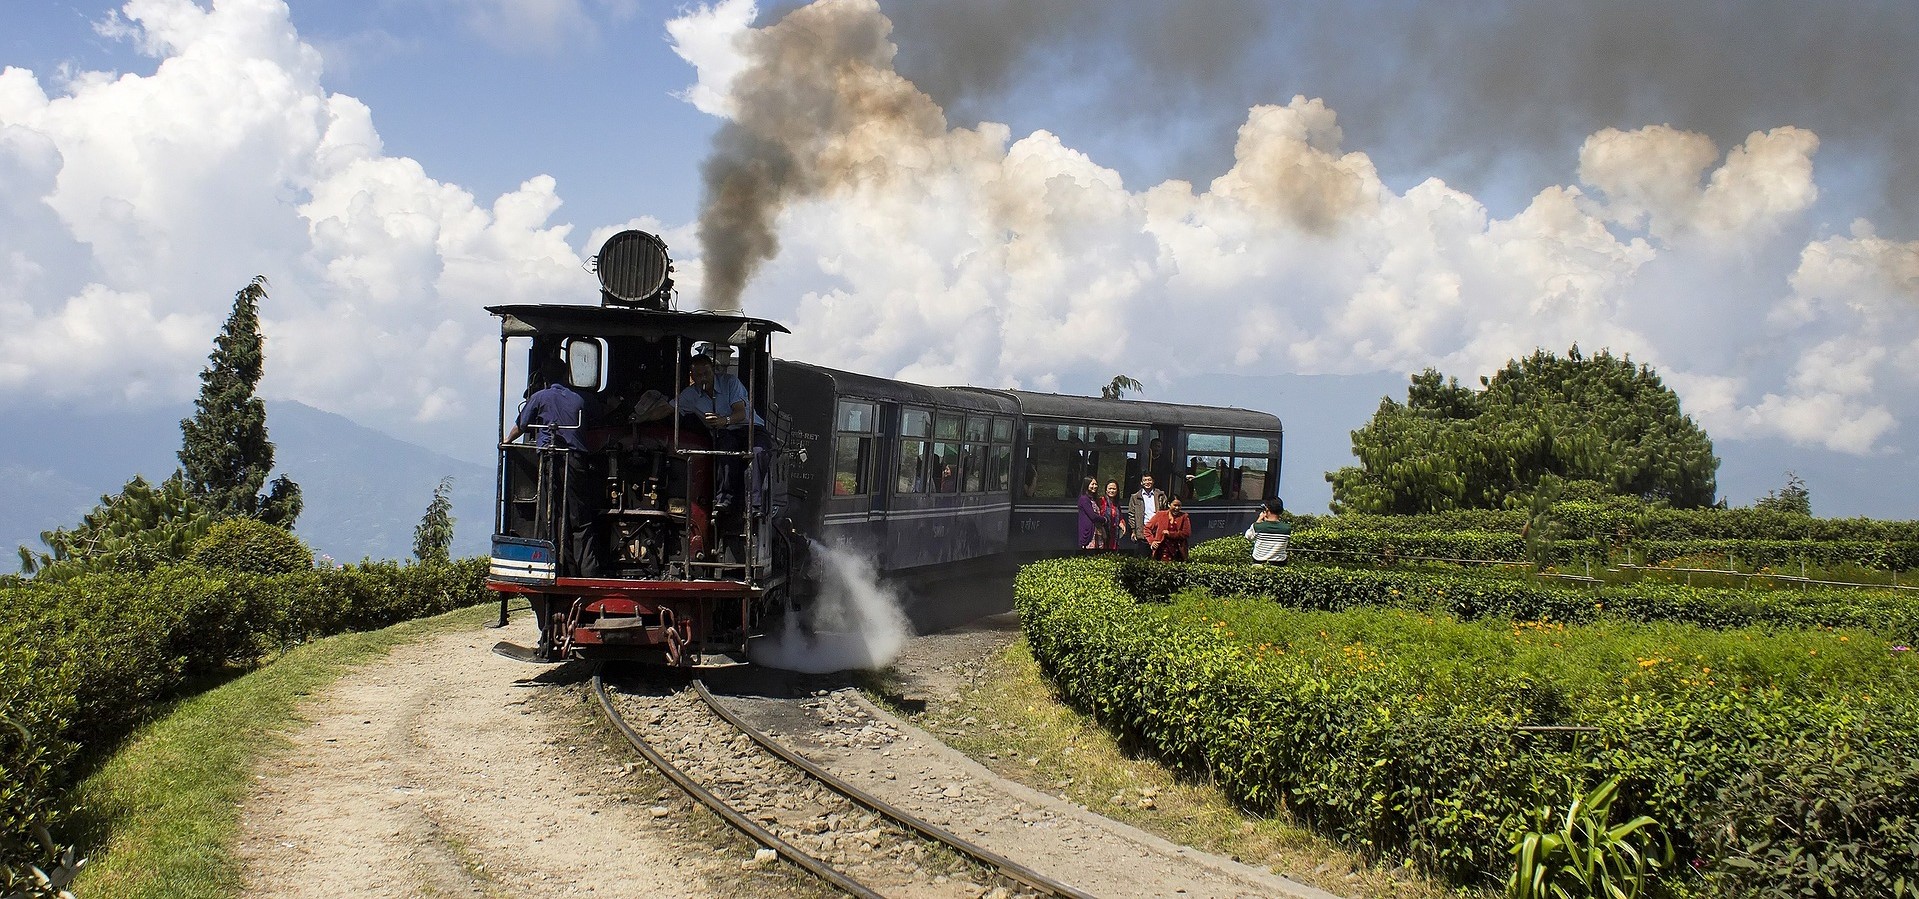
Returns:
<point x="638" y="509"/>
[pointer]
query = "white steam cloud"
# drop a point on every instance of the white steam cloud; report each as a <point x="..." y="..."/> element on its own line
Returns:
<point x="895" y="243"/>
<point x="855" y="623"/>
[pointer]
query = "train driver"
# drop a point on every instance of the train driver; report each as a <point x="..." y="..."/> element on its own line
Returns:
<point x="719" y="399"/>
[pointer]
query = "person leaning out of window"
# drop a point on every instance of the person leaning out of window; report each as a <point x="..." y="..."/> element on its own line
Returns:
<point x="1270" y="534"/>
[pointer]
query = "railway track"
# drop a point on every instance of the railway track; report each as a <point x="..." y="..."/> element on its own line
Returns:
<point x="846" y="836"/>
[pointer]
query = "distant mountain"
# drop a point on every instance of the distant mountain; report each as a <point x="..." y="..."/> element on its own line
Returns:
<point x="364" y="491"/>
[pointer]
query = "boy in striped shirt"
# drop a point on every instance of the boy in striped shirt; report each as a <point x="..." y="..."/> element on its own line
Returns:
<point x="1269" y="534"/>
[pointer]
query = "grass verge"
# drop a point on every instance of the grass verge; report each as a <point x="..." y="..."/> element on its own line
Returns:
<point x="1011" y="721"/>
<point x="161" y="814"/>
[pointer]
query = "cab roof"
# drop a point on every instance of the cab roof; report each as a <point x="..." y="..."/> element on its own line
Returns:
<point x="622" y="321"/>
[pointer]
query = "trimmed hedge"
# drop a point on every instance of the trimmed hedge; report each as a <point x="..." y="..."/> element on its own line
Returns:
<point x="1396" y="731"/>
<point x="1347" y="545"/>
<point x="84" y="660"/>
<point x="250" y="546"/>
<point x="1479" y="594"/>
<point x="1585" y="520"/>
<point x="1784" y="555"/>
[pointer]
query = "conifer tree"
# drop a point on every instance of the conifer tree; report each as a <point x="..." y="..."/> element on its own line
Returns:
<point x="433" y="539"/>
<point x="225" y="454"/>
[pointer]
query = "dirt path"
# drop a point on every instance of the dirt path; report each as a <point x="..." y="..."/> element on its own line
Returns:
<point x="444" y="770"/>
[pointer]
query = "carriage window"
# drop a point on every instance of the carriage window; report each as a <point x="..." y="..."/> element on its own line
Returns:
<point x="999" y="462"/>
<point x="853" y="449"/>
<point x="976" y="428"/>
<point x="1052" y="461"/>
<point x="1252" y="477"/>
<point x="912" y="468"/>
<point x="856" y="416"/>
<point x="947" y="426"/>
<point x="945" y="469"/>
<point x="1225" y="468"/>
<point x="916" y="423"/>
<point x="976" y="463"/>
<point x="1002" y="430"/>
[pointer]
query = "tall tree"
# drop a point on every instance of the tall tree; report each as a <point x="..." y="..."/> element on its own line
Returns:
<point x="224" y="453"/>
<point x="1119" y="385"/>
<point x="433" y="538"/>
<point x="1540" y="420"/>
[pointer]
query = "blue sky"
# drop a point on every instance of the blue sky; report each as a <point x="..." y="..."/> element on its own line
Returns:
<point x="1070" y="189"/>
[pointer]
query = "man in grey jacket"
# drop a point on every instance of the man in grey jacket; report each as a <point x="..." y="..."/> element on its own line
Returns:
<point x="1140" y="509"/>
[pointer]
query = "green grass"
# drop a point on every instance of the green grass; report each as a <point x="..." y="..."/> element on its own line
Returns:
<point x="159" y="818"/>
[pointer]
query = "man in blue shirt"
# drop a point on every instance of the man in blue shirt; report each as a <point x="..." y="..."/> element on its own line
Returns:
<point x="720" y="400"/>
<point x="556" y="412"/>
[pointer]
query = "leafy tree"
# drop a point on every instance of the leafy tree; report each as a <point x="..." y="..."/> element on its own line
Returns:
<point x="1793" y="498"/>
<point x="225" y="453"/>
<point x="433" y="539"/>
<point x="1119" y="385"/>
<point x="1542" y="423"/>
<point x="139" y="528"/>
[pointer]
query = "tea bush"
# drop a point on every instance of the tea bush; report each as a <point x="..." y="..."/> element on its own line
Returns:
<point x="1395" y="729"/>
<point x="1476" y="594"/>
<point x="1785" y="554"/>
<point x="250" y="546"/>
<point x="85" y="659"/>
<point x="1604" y="520"/>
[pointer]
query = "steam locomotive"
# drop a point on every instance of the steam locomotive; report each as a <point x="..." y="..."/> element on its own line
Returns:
<point x="619" y="534"/>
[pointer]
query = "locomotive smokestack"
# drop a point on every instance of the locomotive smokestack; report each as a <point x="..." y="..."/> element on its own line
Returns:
<point x="817" y="108"/>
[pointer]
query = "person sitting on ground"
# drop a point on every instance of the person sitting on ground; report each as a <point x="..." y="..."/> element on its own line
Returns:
<point x="1168" y="532"/>
<point x="1270" y="534"/>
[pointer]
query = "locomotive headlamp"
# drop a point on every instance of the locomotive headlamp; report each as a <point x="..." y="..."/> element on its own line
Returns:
<point x="634" y="270"/>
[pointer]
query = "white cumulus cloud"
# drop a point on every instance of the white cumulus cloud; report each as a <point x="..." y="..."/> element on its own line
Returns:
<point x="135" y="205"/>
<point x="968" y="254"/>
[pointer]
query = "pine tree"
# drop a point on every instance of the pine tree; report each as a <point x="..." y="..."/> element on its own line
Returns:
<point x="142" y="526"/>
<point x="433" y="539"/>
<point x="224" y="453"/>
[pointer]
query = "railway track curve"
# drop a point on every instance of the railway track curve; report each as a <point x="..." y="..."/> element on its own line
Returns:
<point x="892" y="851"/>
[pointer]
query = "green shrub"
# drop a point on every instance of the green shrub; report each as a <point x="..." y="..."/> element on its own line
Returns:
<point x="1477" y="593"/>
<point x="1828" y="815"/>
<point x="85" y="659"/>
<point x="1784" y="555"/>
<point x="1606" y="520"/>
<point x="1397" y="730"/>
<point x="249" y="546"/>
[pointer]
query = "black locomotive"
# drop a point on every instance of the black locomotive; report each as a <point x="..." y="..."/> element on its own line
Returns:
<point x="926" y="480"/>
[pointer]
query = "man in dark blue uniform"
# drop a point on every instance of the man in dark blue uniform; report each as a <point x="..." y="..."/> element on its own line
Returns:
<point x="556" y="413"/>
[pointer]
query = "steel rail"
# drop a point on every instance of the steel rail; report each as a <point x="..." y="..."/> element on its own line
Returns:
<point x="934" y="832"/>
<point x="732" y="816"/>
